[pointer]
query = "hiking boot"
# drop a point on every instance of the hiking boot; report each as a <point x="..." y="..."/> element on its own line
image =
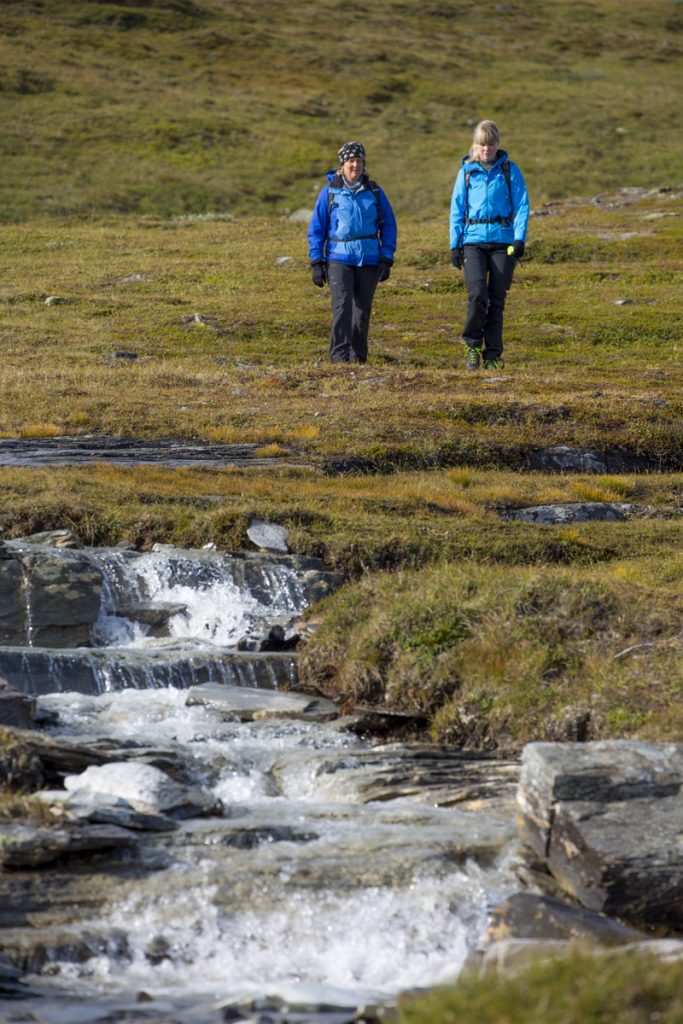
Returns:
<point x="472" y="357"/>
<point x="494" y="364"/>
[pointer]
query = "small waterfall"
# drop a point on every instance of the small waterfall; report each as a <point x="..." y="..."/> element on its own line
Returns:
<point x="171" y="618"/>
<point x="217" y="600"/>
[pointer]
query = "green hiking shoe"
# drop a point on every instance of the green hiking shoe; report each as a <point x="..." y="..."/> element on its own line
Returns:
<point x="472" y="357"/>
<point x="494" y="364"/>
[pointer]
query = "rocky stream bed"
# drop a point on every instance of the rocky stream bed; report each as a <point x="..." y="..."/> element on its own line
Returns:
<point x="212" y="843"/>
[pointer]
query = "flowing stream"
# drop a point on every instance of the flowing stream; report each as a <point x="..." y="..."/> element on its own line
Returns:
<point x="338" y="873"/>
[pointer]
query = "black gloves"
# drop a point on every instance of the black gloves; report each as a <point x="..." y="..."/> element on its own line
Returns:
<point x="456" y="258"/>
<point x="384" y="270"/>
<point x="519" y="250"/>
<point x="318" y="273"/>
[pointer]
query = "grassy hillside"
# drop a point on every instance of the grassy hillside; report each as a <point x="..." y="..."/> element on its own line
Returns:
<point x="190" y="106"/>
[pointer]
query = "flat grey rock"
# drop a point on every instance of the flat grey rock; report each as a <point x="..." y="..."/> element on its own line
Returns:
<point x="267" y="535"/>
<point x="248" y="704"/>
<point x="105" y="809"/>
<point x="526" y="915"/>
<point x="25" y="846"/>
<point x="573" y="512"/>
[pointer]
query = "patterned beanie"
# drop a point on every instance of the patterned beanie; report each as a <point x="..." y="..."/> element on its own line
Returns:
<point x="351" y="149"/>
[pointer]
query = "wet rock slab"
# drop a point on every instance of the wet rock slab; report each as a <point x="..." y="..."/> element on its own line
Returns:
<point x="526" y="915"/>
<point x="15" y="708"/>
<point x="69" y="451"/>
<point x="25" y="846"/>
<point x="47" y="598"/>
<point x="420" y="773"/>
<point x="248" y="705"/>
<point x="607" y="818"/>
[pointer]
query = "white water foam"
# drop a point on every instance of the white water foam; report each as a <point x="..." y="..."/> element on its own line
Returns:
<point x="370" y="945"/>
<point x="215" y="611"/>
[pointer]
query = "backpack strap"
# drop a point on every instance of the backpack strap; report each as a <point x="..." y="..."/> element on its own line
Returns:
<point x="505" y="168"/>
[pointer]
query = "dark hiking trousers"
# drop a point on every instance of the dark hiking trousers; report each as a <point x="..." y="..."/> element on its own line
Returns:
<point x="488" y="275"/>
<point x="352" y="290"/>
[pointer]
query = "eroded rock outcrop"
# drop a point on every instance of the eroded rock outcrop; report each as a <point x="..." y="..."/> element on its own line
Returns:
<point x="607" y="818"/>
<point x="46" y="599"/>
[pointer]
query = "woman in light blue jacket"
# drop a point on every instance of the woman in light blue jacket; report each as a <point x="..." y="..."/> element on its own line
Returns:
<point x="488" y="225"/>
<point x="352" y="240"/>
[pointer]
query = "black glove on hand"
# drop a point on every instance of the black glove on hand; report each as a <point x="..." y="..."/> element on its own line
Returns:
<point x="519" y="250"/>
<point x="384" y="270"/>
<point x="318" y="273"/>
<point x="456" y="258"/>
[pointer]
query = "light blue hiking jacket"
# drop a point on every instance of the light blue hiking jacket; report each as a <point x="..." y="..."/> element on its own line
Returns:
<point x="357" y="228"/>
<point x="488" y="209"/>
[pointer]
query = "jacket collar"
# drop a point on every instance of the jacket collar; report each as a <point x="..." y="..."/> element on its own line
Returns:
<point x="336" y="181"/>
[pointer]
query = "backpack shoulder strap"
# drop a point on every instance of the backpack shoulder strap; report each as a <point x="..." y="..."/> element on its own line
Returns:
<point x="374" y="188"/>
<point x="505" y="168"/>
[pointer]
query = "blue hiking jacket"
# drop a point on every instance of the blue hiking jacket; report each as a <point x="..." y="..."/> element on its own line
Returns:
<point x="488" y="197"/>
<point x="344" y="227"/>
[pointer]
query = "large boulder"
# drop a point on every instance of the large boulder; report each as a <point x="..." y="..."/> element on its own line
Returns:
<point x="607" y="819"/>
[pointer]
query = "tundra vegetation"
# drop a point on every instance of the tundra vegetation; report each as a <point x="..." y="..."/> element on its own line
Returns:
<point x="154" y="285"/>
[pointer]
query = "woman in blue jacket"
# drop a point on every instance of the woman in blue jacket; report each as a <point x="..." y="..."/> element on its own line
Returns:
<point x="489" y="216"/>
<point x="352" y="240"/>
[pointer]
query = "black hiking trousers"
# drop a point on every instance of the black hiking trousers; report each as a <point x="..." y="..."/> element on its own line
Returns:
<point x="352" y="290"/>
<point x="488" y="275"/>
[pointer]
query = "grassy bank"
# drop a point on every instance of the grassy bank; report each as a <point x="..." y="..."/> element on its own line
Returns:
<point x="496" y="657"/>
<point x="499" y="632"/>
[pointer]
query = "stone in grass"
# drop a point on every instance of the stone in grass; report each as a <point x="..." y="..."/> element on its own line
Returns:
<point x="301" y="216"/>
<point x="267" y="535"/>
<point x="573" y="512"/>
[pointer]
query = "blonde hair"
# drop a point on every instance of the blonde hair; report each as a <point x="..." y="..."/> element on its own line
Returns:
<point x="487" y="133"/>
